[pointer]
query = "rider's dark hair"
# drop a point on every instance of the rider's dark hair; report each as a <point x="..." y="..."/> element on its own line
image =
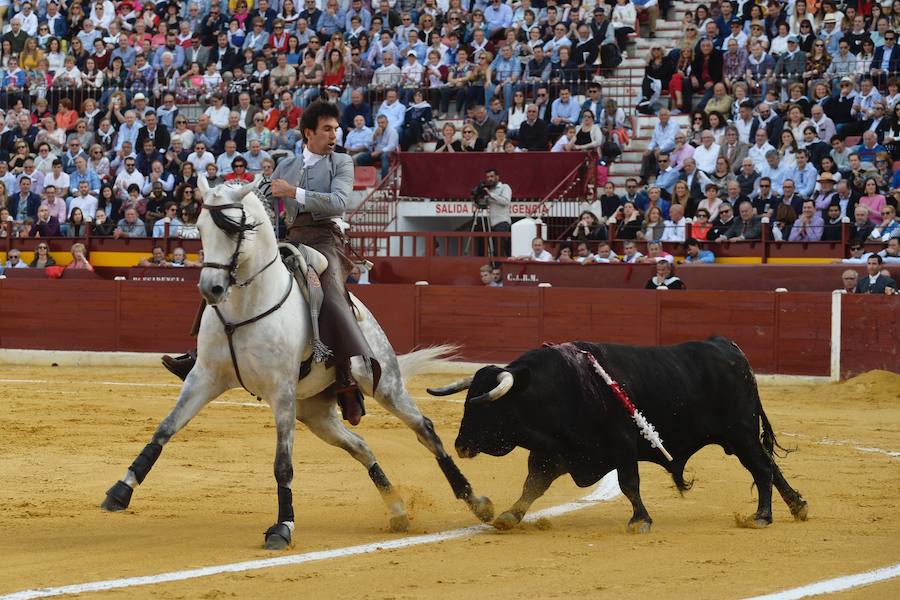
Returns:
<point x="315" y="112"/>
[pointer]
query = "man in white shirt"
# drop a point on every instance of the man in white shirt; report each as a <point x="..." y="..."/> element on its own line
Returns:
<point x="393" y="109"/>
<point x="127" y="176"/>
<point x="761" y="147"/>
<point x="83" y="200"/>
<point x="707" y="153"/>
<point x="538" y="253"/>
<point x="676" y="225"/>
<point x="200" y="158"/>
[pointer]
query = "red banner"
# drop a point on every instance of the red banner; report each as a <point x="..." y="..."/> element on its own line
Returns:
<point x="531" y="175"/>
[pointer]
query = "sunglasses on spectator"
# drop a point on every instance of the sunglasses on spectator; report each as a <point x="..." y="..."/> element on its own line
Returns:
<point x="240" y="166"/>
<point x="856" y="247"/>
<point x="724" y="210"/>
<point x="43" y="247"/>
<point x="764" y="185"/>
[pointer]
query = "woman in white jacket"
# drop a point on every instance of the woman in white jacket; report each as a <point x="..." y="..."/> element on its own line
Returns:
<point x="624" y="17"/>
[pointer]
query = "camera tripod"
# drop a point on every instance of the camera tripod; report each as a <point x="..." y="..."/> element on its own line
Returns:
<point x="480" y="216"/>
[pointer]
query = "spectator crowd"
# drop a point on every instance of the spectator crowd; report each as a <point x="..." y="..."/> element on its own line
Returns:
<point x="111" y="110"/>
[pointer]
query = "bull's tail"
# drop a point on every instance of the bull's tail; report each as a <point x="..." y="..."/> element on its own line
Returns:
<point x="767" y="437"/>
<point x="676" y="468"/>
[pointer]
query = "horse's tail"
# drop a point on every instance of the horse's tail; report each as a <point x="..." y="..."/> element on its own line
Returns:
<point x="426" y="360"/>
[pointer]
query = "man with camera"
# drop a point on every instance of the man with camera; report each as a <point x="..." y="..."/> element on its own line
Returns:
<point x="492" y="195"/>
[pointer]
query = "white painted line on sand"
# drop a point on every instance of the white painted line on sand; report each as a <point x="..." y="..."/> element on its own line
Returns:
<point x="838" y="584"/>
<point x="847" y="443"/>
<point x="85" y="382"/>
<point x="607" y="489"/>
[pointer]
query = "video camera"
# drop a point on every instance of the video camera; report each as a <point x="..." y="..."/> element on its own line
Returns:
<point x="479" y="195"/>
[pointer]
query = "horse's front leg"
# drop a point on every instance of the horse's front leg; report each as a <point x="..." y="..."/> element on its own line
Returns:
<point x="278" y="536"/>
<point x="198" y="390"/>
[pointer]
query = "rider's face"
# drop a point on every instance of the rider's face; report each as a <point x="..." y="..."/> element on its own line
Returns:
<point x="324" y="138"/>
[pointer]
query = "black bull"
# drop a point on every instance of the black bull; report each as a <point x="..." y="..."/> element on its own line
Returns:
<point x="553" y="403"/>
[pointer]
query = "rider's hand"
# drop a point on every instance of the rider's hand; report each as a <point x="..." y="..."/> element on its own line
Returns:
<point x="282" y="189"/>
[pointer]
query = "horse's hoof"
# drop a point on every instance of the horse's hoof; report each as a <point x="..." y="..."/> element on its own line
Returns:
<point x="800" y="511"/>
<point x="278" y="537"/>
<point x="506" y="521"/>
<point x="751" y="521"/>
<point x="639" y="527"/>
<point x="118" y="497"/>
<point x="483" y="508"/>
<point x="400" y="524"/>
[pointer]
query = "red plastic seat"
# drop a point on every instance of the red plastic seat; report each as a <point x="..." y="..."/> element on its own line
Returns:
<point x="364" y="178"/>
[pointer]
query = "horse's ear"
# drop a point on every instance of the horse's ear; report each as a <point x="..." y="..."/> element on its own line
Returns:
<point x="257" y="180"/>
<point x="203" y="185"/>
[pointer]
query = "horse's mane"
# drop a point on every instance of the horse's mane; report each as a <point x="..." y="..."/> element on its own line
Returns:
<point x="230" y="225"/>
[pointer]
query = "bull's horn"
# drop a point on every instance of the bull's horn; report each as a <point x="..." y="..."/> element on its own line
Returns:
<point x="505" y="382"/>
<point x="456" y="386"/>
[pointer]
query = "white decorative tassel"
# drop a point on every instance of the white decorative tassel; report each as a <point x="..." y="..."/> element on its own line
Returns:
<point x="649" y="433"/>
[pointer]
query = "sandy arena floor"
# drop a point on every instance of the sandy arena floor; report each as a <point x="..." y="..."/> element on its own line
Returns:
<point x="212" y="494"/>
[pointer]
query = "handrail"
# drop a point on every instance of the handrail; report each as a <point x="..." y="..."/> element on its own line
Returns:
<point x="388" y="182"/>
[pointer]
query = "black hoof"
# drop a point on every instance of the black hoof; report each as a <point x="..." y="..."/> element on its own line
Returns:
<point x="278" y="537"/>
<point x="118" y="497"/>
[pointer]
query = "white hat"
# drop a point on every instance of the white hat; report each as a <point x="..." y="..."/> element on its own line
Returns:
<point x="139" y="96"/>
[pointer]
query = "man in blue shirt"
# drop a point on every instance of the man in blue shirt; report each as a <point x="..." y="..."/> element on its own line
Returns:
<point x="498" y="16"/>
<point x="693" y="253"/>
<point x="563" y="111"/>
<point x="505" y="69"/>
<point x="662" y="141"/>
<point x="414" y="44"/>
<point x="775" y="172"/>
<point x="358" y="138"/>
<point x="357" y="9"/>
<point x="804" y="175"/>
<point x="385" y="141"/>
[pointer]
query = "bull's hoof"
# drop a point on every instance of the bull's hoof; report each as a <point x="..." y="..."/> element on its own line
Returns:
<point x="639" y="526"/>
<point x="482" y="507"/>
<point x="118" y="497"/>
<point x="800" y="511"/>
<point x="278" y="537"/>
<point x="400" y="524"/>
<point x="751" y="521"/>
<point x="506" y="521"/>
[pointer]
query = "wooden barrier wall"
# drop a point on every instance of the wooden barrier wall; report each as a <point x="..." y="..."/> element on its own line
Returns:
<point x="780" y="333"/>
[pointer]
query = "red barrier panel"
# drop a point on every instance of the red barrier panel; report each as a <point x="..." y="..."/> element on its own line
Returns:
<point x="443" y="175"/>
<point x="870" y="334"/>
<point x="779" y="333"/>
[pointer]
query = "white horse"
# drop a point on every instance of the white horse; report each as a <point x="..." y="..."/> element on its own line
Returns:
<point x="248" y="287"/>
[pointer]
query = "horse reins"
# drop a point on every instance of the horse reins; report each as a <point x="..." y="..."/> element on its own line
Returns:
<point x="231" y="267"/>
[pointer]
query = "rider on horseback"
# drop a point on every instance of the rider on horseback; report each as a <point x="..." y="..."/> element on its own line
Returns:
<point x="315" y="187"/>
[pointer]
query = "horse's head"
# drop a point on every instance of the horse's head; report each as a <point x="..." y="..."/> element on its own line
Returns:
<point x="231" y="224"/>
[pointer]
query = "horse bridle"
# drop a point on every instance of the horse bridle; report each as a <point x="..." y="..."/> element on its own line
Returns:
<point x="231" y="267"/>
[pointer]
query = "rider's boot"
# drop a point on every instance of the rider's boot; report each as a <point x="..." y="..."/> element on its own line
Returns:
<point x="180" y="366"/>
<point x="349" y="397"/>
